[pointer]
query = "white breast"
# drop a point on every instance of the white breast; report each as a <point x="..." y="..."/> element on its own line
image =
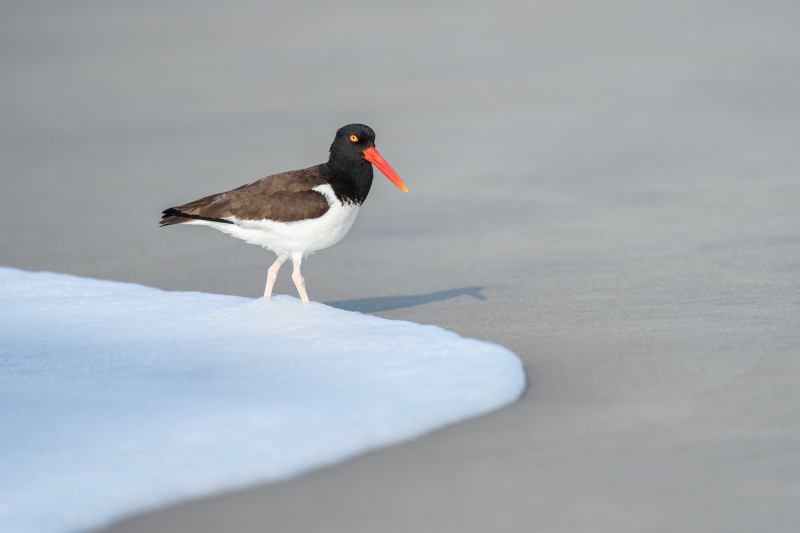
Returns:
<point x="302" y="236"/>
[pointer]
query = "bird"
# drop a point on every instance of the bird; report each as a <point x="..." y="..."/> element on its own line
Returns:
<point x="299" y="212"/>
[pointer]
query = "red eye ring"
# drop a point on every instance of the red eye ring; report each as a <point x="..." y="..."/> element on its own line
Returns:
<point x="353" y="138"/>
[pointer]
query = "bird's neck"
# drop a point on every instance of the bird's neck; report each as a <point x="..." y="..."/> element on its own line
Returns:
<point x="350" y="179"/>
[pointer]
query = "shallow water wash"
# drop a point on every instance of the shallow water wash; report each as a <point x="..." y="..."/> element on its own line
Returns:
<point x="115" y="398"/>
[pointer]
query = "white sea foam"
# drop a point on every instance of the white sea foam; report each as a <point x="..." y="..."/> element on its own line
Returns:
<point x="115" y="397"/>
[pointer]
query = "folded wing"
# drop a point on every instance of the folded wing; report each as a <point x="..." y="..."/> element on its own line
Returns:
<point x="285" y="197"/>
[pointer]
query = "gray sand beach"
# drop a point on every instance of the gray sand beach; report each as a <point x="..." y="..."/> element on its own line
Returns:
<point x="611" y="190"/>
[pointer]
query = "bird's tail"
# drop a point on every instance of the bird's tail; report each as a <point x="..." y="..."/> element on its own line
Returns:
<point x="173" y="216"/>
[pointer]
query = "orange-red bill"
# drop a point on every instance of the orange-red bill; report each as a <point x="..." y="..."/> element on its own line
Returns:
<point x="372" y="155"/>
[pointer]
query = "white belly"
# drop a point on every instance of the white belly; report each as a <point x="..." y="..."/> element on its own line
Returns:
<point x="302" y="236"/>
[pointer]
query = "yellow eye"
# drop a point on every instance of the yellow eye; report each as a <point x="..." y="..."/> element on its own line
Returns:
<point x="353" y="138"/>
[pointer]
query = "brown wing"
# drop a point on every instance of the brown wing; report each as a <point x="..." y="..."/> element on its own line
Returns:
<point x="285" y="197"/>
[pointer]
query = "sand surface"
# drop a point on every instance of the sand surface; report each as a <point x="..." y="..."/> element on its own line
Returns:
<point x="611" y="191"/>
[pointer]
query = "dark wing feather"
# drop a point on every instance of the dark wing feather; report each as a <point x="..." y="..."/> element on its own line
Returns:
<point x="285" y="197"/>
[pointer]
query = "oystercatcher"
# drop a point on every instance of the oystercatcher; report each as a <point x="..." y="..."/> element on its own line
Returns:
<point x="298" y="212"/>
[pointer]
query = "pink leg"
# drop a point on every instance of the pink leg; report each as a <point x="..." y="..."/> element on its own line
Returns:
<point x="299" y="282"/>
<point x="272" y="275"/>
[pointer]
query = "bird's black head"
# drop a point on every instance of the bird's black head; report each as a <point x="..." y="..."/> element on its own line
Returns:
<point x="352" y="152"/>
<point x="351" y="141"/>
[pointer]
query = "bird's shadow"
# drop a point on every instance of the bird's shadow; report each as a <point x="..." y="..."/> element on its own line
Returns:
<point x="387" y="303"/>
